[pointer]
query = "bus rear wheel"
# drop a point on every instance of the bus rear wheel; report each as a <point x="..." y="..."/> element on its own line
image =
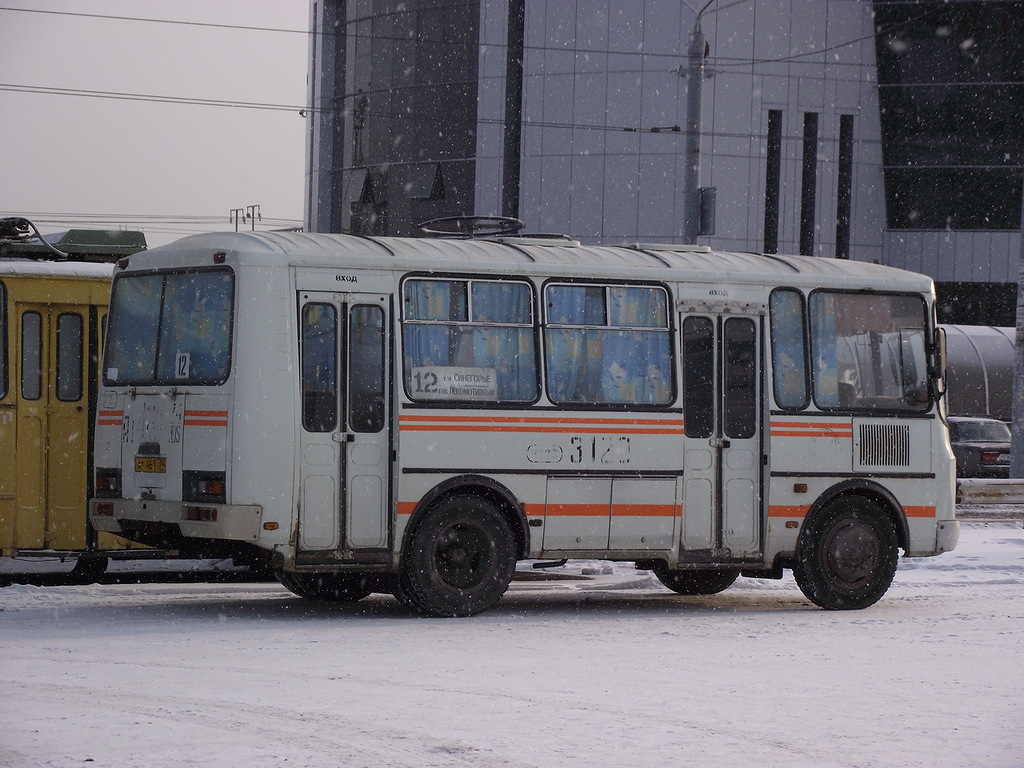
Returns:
<point x="460" y="559"/>
<point x="846" y="555"/>
<point x="327" y="587"/>
<point x="696" y="582"/>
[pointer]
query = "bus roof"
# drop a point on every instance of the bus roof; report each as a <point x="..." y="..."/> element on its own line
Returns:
<point x="526" y="255"/>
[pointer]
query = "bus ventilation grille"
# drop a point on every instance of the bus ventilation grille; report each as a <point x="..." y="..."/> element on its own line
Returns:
<point x="884" y="445"/>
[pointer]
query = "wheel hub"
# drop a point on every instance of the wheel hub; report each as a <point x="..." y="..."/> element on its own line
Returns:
<point x="852" y="552"/>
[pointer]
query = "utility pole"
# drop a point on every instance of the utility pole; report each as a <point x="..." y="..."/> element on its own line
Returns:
<point x="696" y="54"/>
<point x="253" y="212"/>
<point x="1017" y="427"/>
<point x="236" y="215"/>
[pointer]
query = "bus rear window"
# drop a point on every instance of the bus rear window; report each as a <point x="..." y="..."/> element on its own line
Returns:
<point x="170" y="328"/>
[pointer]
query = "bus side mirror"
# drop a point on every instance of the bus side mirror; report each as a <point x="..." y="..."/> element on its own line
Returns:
<point x="939" y="360"/>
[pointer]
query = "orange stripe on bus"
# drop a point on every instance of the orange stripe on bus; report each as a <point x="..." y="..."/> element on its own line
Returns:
<point x="644" y="510"/>
<point x="109" y="418"/>
<point x="563" y="430"/>
<point x="919" y="511"/>
<point x="533" y="420"/>
<point x="787" y="511"/>
<point x="206" y="418"/>
<point x="828" y="433"/>
<point x="577" y="510"/>
<point x="813" y="424"/>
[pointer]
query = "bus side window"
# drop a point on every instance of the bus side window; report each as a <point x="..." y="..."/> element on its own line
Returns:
<point x="789" y="348"/>
<point x="698" y="377"/>
<point x="608" y="344"/>
<point x="319" y="368"/>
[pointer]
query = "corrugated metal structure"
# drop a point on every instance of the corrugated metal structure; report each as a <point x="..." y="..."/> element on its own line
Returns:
<point x="980" y="373"/>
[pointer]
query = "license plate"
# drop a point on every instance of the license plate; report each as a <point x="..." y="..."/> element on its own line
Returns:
<point x="150" y="464"/>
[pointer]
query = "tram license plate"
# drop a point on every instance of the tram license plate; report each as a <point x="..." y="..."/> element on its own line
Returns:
<point x="150" y="464"/>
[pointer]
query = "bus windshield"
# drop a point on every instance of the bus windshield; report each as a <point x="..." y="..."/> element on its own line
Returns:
<point x="170" y="328"/>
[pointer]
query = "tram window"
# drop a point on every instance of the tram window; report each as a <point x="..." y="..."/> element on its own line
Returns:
<point x="3" y="341"/>
<point x="469" y="341"/>
<point x="789" y="348"/>
<point x="366" y="369"/>
<point x="31" y="356"/>
<point x="698" y="376"/>
<point x="869" y="351"/>
<point x="319" y="367"/>
<point x="69" y="357"/>
<point x="608" y="344"/>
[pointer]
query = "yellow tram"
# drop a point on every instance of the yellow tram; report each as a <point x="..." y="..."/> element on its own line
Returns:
<point x="53" y="306"/>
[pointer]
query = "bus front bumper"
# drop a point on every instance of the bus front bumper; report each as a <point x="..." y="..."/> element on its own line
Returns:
<point x="229" y="522"/>
<point x="947" y="535"/>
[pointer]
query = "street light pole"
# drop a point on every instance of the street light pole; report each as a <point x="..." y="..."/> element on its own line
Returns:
<point x="696" y="54"/>
<point x="1017" y="414"/>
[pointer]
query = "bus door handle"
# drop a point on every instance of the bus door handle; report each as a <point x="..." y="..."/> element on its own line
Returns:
<point x="718" y="442"/>
<point x="343" y="437"/>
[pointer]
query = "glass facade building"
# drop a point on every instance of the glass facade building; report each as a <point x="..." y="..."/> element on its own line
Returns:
<point x="880" y="131"/>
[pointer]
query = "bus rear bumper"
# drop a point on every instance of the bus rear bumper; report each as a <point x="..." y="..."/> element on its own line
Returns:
<point x="227" y="522"/>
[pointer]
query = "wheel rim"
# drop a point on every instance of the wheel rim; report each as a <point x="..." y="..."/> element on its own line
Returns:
<point x="853" y="553"/>
<point x="463" y="555"/>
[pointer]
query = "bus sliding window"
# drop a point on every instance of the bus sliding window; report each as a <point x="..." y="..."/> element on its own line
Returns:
<point x="607" y="344"/>
<point x="469" y="341"/>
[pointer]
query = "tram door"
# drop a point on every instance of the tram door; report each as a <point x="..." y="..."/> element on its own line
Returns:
<point x="52" y="425"/>
<point x="344" y="464"/>
<point x="722" y="466"/>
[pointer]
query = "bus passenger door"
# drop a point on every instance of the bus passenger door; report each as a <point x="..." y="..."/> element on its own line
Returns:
<point x="345" y="440"/>
<point x="722" y="504"/>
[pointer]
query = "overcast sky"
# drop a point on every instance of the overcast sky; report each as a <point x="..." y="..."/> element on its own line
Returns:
<point x="84" y="160"/>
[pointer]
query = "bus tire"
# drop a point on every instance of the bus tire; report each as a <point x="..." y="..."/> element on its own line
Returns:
<point x="460" y="558"/>
<point x="709" y="582"/>
<point x="327" y="587"/>
<point x="846" y="555"/>
<point x="88" y="570"/>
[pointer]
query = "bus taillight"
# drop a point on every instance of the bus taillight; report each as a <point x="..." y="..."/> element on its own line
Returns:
<point x="108" y="483"/>
<point x="208" y="487"/>
<point x="201" y="514"/>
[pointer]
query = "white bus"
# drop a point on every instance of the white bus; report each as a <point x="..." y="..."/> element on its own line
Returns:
<point x="415" y="416"/>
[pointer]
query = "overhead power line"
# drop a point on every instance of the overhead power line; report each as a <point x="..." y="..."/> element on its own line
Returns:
<point x="158" y="21"/>
<point x="120" y="96"/>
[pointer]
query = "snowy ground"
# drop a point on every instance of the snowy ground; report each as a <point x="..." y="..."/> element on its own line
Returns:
<point x="607" y="670"/>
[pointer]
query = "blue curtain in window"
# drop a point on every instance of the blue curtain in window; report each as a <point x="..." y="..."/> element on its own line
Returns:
<point x="508" y="350"/>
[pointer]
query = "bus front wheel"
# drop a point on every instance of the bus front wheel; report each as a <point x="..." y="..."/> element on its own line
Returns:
<point x="460" y="558"/>
<point x="696" y="582"/>
<point x="846" y="555"/>
<point x="326" y="587"/>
